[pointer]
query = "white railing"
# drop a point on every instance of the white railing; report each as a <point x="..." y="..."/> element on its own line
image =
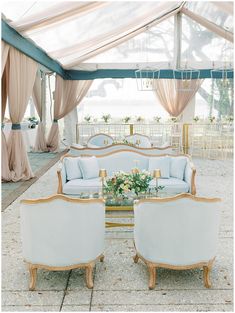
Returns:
<point x="208" y="140"/>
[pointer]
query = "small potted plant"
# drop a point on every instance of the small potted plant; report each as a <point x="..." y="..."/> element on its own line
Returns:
<point x="87" y="118"/>
<point x="157" y="119"/>
<point x="106" y="118"/>
<point x="126" y="119"/>
<point x="140" y="119"/>
<point x="196" y="119"/>
<point x="212" y="119"/>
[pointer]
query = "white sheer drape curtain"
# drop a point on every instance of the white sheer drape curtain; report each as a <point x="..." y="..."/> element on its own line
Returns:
<point x="6" y="173"/>
<point x="40" y="141"/>
<point x="22" y="74"/>
<point x="174" y="96"/>
<point x="68" y="94"/>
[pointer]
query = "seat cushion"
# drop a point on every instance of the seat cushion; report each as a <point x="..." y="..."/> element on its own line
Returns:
<point x="177" y="167"/>
<point x="89" y="167"/>
<point x="161" y="163"/>
<point x="72" y="168"/>
<point x="172" y="185"/>
<point x="76" y="186"/>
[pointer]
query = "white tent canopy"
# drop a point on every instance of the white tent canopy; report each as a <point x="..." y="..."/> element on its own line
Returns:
<point x="122" y="34"/>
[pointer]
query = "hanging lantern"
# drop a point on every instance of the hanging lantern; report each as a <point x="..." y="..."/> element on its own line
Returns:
<point x="145" y="78"/>
<point x="224" y="74"/>
<point x="185" y="78"/>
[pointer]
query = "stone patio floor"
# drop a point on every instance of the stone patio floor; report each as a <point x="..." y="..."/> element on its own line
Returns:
<point x="119" y="284"/>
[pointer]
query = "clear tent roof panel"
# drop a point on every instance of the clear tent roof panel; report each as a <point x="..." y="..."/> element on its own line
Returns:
<point x="72" y="32"/>
<point x="156" y="44"/>
<point x="201" y="45"/>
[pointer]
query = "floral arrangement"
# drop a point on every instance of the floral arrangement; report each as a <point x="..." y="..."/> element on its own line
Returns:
<point x="196" y="119"/>
<point x="106" y="117"/>
<point x="127" y="119"/>
<point x="122" y="183"/>
<point x="87" y="118"/>
<point x="139" y="119"/>
<point x="212" y="119"/>
<point x="157" y="118"/>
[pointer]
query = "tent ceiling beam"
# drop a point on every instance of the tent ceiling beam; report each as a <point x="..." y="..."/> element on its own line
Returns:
<point x="209" y="25"/>
<point x="177" y="39"/>
<point x="127" y="73"/>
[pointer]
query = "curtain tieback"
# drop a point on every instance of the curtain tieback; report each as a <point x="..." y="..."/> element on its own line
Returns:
<point x="55" y="121"/>
<point x="15" y="126"/>
<point x="3" y="125"/>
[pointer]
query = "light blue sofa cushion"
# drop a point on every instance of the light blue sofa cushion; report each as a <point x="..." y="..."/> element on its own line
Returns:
<point x="171" y="185"/>
<point x="72" y="167"/>
<point x="177" y="167"/>
<point x="89" y="167"/>
<point x="161" y="163"/>
<point x="75" y="186"/>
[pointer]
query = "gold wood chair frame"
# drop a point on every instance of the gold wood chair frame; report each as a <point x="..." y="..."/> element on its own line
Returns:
<point x="121" y="144"/>
<point x="152" y="267"/>
<point x="88" y="266"/>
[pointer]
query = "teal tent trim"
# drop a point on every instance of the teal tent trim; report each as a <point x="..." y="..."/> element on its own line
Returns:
<point x="125" y="73"/>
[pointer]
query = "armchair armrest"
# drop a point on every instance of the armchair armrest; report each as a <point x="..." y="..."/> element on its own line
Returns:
<point x="61" y="175"/>
<point x="189" y="176"/>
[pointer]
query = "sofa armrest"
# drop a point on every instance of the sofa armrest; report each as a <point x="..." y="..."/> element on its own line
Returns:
<point x="61" y="175"/>
<point x="189" y="176"/>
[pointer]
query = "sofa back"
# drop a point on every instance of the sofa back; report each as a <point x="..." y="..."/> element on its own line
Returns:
<point x="125" y="160"/>
<point x="79" y="150"/>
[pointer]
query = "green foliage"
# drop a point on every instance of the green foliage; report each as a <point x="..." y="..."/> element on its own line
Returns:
<point x="87" y="118"/>
<point x="127" y="119"/>
<point x="106" y="118"/>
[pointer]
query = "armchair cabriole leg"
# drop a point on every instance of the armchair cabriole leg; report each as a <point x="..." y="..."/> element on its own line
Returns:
<point x="206" y="273"/>
<point x="33" y="277"/>
<point x="89" y="276"/>
<point x="152" y="276"/>
<point x="206" y="276"/>
<point x="102" y="258"/>
<point x="136" y="258"/>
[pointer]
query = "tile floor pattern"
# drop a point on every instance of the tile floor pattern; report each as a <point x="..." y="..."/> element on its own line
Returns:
<point x="119" y="284"/>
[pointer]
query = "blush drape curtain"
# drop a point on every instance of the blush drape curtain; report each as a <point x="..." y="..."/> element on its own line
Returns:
<point x="22" y="74"/>
<point x="68" y="94"/>
<point x="172" y="97"/>
<point x="40" y="142"/>
<point x="6" y="173"/>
